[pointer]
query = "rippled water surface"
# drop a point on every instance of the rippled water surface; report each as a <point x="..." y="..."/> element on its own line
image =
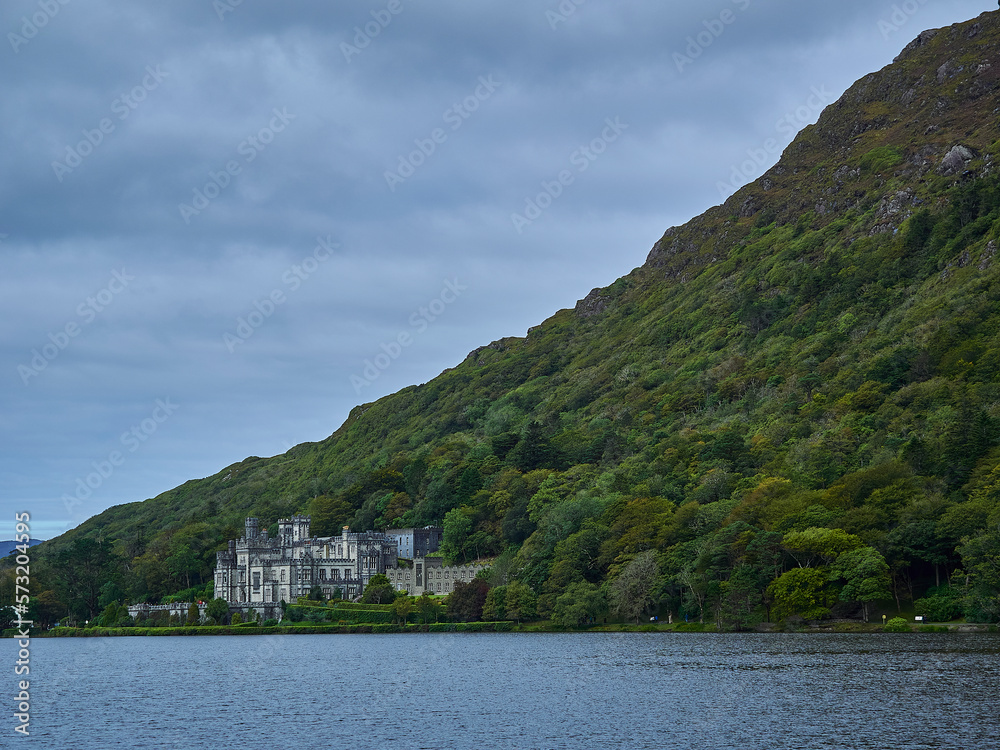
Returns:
<point x="515" y="691"/>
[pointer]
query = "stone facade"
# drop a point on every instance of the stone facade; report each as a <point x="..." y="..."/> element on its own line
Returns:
<point x="432" y="575"/>
<point x="411" y="543"/>
<point x="259" y="570"/>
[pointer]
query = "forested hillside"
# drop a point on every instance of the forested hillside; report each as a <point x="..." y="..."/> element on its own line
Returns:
<point x="792" y="408"/>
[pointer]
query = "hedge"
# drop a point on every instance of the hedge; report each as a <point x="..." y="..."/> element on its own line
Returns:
<point x="288" y="629"/>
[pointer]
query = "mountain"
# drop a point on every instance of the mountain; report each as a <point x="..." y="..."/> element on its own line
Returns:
<point x="804" y="378"/>
<point x="6" y="547"/>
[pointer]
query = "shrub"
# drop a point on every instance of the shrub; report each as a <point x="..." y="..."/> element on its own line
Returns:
<point x="942" y="604"/>
<point x="881" y="159"/>
<point x="897" y="625"/>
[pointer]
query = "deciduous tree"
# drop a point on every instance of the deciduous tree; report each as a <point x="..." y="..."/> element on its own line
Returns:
<point x="634" y="592"/>
<point x="582" y="603"/>
<point x="866" y="577"/>
<point x="378" y="591"/>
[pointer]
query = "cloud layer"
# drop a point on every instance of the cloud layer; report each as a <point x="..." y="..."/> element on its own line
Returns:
<point x="228" y="208"/>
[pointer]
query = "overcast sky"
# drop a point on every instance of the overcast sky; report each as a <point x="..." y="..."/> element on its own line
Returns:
<point x="213" y="215"/>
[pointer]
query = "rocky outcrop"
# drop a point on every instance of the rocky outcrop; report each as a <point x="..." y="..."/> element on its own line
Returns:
<point x="956" y="161"/>
<point x="593" y="304"/>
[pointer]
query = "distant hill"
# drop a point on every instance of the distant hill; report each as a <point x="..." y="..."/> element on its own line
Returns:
<point x="7" y="547"/>
<point x="820" y="355"/>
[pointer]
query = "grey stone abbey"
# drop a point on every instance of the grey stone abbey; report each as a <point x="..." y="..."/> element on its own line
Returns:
<point x="257" y="569"/>
<point x="257" y="572"/>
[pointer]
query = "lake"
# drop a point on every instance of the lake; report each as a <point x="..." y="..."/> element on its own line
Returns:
<point x="456" y="691"/>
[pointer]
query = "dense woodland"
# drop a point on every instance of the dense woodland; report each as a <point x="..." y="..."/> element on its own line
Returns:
<point x="791" y="411"/>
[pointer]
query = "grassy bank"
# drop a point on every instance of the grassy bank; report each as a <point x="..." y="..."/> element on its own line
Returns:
<point x="283" y="629"/>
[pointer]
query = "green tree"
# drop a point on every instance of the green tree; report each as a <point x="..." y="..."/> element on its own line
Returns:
<point x="427" y="608"/>
<point x="328" y="515"/>
<point x="457" y="527"/>
<point x="865" y="575"/>
<point x="465" y="602"/>
<point x="521" y="602"/>
<point x="378" y="591"/>
<point x="403" y="608"/>
<point x="741" y="599"/>
<point x="108" y="617"/>
<point x="193" y="615"/>
<point x="634" y="592"/>
<point x="581" y="604"/>
<point x="802" y="591"/>
<point x="47" y="608"/>
<point x="182" y="564"/>
<point x="218" y="610"/>
<point x="533" y="450"/>
<point x="81" y="572"/>
<point x="818" y="545"/>
<point x="495" y="606"/>
<point x="7" y="617"/>
<point x="561" y="576"/>
<point x="981" y="557"/>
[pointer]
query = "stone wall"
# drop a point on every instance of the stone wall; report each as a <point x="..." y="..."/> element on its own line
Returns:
<point x="432" y="575"/>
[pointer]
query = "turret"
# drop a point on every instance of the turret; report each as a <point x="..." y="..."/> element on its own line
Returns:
<point x="300" y="528"/>
<point x="252" y="528"/>
<point x="284" y="532"/>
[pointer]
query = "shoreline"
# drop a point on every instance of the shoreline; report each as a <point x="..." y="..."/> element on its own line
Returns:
<point x="495" y="627"/>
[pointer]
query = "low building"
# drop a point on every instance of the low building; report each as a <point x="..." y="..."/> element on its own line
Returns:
<point x="432" y="575"/>
<point x="412" y="543"/>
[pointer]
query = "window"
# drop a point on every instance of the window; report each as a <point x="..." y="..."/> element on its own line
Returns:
<point x="322" y="574"/>
<point x="256" y="581"/>
<point x="282" y="575"/>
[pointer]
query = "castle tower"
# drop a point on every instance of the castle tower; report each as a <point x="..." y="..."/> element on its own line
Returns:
<point x="252" y="528"/>
<point x="284" y="532"/>
<point x="300" y="528"/>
